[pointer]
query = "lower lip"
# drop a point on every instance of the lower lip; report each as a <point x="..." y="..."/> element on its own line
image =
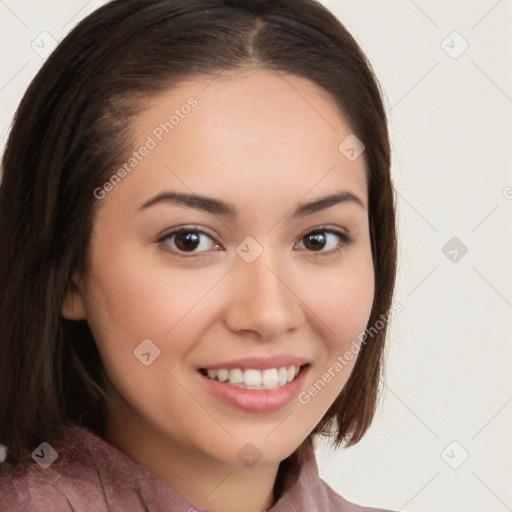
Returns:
<point x="257" y="400"/>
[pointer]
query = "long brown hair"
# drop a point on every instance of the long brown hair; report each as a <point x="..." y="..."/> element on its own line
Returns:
<point x="72" y="130"/>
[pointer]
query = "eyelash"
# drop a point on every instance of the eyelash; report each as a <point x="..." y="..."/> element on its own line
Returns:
<point x="345" y="240"/>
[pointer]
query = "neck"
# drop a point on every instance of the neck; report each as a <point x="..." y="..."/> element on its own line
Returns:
<point x="204" y="482"/>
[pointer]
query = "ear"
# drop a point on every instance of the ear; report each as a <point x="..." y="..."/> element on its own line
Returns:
<point x="73" y="307"/>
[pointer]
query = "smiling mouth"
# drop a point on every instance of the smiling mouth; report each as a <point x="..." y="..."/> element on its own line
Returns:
<point x="272" y="378"/>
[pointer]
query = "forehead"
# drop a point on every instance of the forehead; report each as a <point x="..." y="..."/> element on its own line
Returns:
<point x="262" y="131"/>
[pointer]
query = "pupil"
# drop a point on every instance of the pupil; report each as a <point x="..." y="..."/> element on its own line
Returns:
<point x="315" y="241"/>
<point x="187" y="241"/>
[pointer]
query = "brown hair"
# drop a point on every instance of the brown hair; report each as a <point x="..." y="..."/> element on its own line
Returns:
<point x="72" y="129"/>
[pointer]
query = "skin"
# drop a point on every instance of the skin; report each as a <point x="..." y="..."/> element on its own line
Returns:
<point x="263" y="142"/>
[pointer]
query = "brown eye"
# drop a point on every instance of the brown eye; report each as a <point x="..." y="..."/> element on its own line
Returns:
<point x="315" y="241"/>
<point x="325" y="240"/>
<point x="189" y="240"/>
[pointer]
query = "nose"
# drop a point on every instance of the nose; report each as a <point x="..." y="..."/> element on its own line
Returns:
<point x="263" y="301"/>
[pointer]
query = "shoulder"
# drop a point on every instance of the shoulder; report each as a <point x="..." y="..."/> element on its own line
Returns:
<point x="55" y="480"/>
<point x="338" y="503"/>
<point x="30" y="489"/>
<point x="311" y="493"/>
<point x="85" y="473"/>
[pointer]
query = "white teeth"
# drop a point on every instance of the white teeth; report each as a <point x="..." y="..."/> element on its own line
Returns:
<point x="270" y="378"/>
<point x="283" y="376"/>
<point x="250" y="378"/>
<point x="212" y="373"/>
<point x="236" y="376"/>
<point x="223" y="375"/>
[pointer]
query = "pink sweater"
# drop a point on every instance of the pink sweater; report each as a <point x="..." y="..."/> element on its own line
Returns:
<point x="90" y="475"/>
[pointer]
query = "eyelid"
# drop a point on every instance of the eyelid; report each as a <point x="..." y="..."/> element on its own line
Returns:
<point x="327" y="227"/>
<point x="185" y="227"/>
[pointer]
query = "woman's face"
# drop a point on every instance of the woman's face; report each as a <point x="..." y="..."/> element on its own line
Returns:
<point x="261" y="276"/>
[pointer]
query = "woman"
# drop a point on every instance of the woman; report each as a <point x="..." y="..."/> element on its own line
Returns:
<point x="197" y="241"/>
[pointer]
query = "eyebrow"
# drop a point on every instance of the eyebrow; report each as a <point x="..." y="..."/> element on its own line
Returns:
<point x="218" y="207"/>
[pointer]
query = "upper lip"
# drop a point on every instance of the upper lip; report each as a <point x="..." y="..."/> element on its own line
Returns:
<point x="259" y="362"/>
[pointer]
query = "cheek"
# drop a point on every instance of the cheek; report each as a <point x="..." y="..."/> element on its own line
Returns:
<point x="131" y="300"/>
<point x="344" y="299"/>
<point x="343" y="304"/>
<point x="150" y="303"/>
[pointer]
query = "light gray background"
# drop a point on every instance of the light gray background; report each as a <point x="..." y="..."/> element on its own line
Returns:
<point x="449" y="354"/>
